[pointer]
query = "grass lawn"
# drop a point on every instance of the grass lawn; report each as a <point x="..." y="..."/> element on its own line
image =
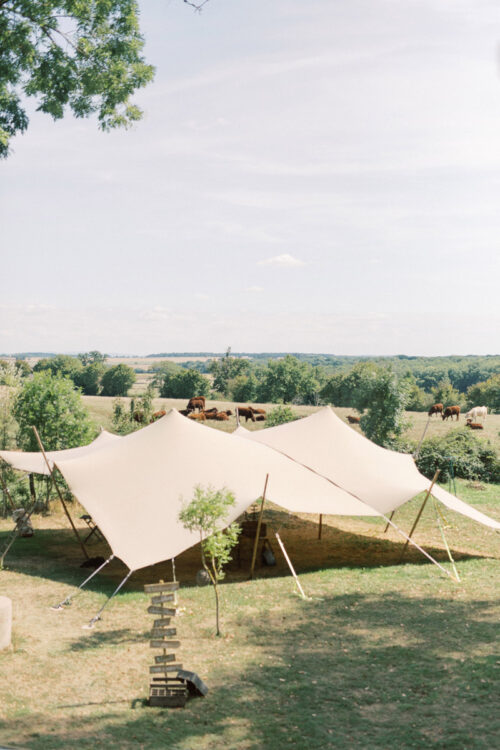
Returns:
<point x="381" y="655"/>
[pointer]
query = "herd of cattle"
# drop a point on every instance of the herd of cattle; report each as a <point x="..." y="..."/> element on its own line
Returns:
<point x="450" y="411"/>
<point x="196" y="409"/>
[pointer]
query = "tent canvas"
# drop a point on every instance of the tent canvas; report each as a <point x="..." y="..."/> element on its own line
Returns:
<point x="134" y="487"/>
<point x="382" y="478"/>
<point x="34" y="463"/>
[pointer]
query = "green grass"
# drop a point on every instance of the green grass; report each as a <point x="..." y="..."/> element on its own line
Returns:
<point x="380" y="655"/>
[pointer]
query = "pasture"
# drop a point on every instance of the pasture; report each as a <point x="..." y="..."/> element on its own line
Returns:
<point x="100" y="408"/>
<point x="380" y="655"/>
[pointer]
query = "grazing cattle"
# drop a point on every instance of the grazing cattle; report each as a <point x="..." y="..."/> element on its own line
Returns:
<point x="247" y="412"/>
<point x="451" y="411"/>
<point x="435" y="409"/>
<point x="477" y="411"/>
<point x="221" y="416"/>
<point x="474" y="425"/>
<point x="260" y="418"/>
<point x="138" y="416"/>
<point x="259" y="411"/>
<point x="197" y="402"/>
<point x="213" y="410"/>
<point x="200" y="416"/>
<point x="185" y="412"/>
<point x="352" y="420"/>
<point x="229" y="412"/>
<point x="158" y="415"/>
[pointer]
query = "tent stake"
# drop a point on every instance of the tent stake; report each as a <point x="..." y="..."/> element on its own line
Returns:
<point x="98" y="615"/>
<point x="417" y="519"/>
<point x="68" y="599"/>
<point x="282" y="546"/>
<point x="320" y="529"/>
<point x="259" y="524"/>
<point x="84" y="550"/>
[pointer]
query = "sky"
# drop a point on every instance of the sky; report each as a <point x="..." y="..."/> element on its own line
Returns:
<point x="309" y="176"/>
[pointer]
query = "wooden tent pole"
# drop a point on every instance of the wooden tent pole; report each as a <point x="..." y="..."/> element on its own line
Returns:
<point x="289" y="562"/>
<point x="6" y="492"/>
<point x="417" y="519"/>
<point x="320" y="529"/>
<point x="390" y="519"/>
<point x="84" y="550"/>
<point x="417" y="451"/>
<point x="259" y="524"/>
<point x="237" y="417"/>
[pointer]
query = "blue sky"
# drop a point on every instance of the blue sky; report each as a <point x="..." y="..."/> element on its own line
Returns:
<point x="308" y="176"/>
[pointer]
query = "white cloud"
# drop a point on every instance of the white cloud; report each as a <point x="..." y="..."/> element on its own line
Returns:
<point x="285" y="261"/>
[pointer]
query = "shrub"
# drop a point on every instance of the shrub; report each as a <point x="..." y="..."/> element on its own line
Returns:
<point x="117" y="380"/>
<point x="280" y="415"/>
<point x="472" y="457"/>
<point x="184" y="384"/>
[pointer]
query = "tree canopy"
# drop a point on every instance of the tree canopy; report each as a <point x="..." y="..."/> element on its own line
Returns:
<point x="84" y="55"/>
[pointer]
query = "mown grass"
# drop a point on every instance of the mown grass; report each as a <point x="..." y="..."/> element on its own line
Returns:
<point x="380" y="655"/>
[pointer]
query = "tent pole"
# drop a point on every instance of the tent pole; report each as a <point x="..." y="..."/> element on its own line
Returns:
<point x="320" y="529"/>
<point x="417" y="519"/>
<point x="98" y="615"/>
<point x="237" y="417"/>
<point x="282" y="546"/>
<point x="84" y="549"/>
<point x="6" y="492"/>
<point x="417" y="450"/>
<point x="257" y="533"/>
<point x="68" y="599"/>
<point x="390" y="519"/>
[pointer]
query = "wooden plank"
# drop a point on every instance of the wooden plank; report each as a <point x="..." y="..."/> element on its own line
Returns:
<point x="164" y="658"/>
<point x="164" y="644"/>
<point x="163" y="632"/>
<point x="165" y="669"/>
<point x="162" y="611"/>
<point x="154" y="588"/>
<point x="161" y="623"/>
<point x="163" y="598"/>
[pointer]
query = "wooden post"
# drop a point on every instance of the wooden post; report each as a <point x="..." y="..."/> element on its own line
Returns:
<point x="84" y="550"/>
<point x="282" y="546"/>
<point x="388" y="522"/>
<point x="6" y="492"/>
<point x="320" y="525"/>
<point x="419" y="513"/>
<point x="237" y="417"/>
<point x="259" y="524"/>
<point x="415" y="455"/>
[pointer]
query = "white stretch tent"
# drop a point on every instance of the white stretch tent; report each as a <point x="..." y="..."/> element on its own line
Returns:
<point x="134" y="487"/>
<point x="383" y="479"/>
<point x="34" y="463"/>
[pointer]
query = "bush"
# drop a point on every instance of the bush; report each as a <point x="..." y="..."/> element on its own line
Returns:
<point x="280" y="415"/>
<point x="472" y="457"/>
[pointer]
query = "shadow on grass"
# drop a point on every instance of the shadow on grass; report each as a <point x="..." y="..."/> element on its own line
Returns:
<point x="111" y="637"/>
<point x="352" y="671"/>
<point x="54" y="554"/>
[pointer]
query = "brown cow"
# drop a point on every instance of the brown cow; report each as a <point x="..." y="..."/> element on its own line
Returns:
<point x="259" y="411"/>
<point x="138" y="416"/>
<point x="221" y="416"/>
<point x="451" y="411"/>
<point x="474" y="425"/>
<point x="158" y="415"/>
<point x="185" y="412"/>
<point x="352" y="420"/>
<point x="435" y="409"/>
<point x="197" y="402"/>
<point x="260" y="418"/>
<point x="247" y="412"/>
<point x="198" y="415"/>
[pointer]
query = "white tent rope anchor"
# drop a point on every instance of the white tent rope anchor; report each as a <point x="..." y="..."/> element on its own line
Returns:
<point x="68" y="599"/>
